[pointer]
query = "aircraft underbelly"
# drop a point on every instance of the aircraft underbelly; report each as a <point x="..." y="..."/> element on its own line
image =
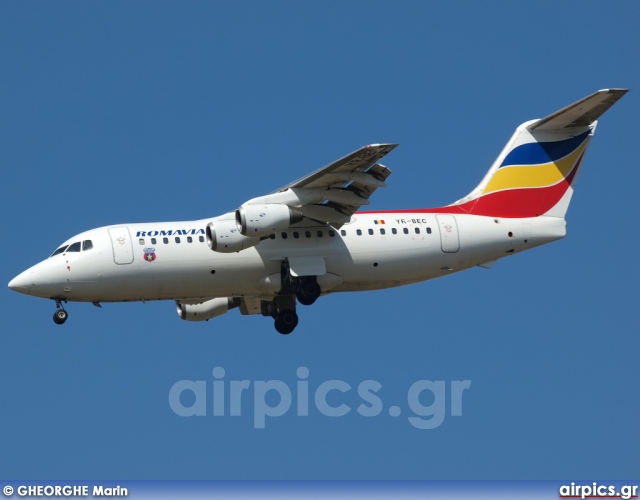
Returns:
<point x="174" y="279"/>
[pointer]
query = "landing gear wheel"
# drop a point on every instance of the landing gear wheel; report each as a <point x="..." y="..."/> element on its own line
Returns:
<point x="286" y="321"/>
<point x="308" y="293"/>
<point x="60" y="316"/>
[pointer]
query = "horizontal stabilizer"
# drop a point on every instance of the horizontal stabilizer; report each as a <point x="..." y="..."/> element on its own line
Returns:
<point x="581" y="113"/>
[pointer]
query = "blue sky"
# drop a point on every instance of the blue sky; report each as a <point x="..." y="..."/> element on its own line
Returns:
<point x="156" y="111"/>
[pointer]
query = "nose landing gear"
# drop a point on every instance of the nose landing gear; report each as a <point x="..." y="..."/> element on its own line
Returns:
<point x="61" y="315"/>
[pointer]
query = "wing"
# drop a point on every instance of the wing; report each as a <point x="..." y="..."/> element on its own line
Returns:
<point x="333" y="193"/>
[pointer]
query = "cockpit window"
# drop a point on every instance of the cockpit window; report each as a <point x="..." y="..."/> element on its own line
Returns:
<point x="74" y="247"/>
<point x="59" y="250"/>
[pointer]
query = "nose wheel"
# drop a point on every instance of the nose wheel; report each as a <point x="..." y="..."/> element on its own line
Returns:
<point x="60" y="316"/>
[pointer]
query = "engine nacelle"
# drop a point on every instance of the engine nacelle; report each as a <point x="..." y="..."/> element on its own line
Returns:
<point x="223" y="236"/>
<point x="206" y="310"/>
<point x="264" y="219"/>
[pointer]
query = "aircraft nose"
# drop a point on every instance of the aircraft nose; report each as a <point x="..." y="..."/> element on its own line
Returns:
<point x="22" y="283"/>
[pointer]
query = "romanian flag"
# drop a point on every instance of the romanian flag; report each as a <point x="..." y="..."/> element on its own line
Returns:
<point x="378" y="221"/>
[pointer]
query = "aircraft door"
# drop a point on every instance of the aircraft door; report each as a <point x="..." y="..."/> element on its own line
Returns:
<point x="449" y="239"/>
<point x="122" y="245"/>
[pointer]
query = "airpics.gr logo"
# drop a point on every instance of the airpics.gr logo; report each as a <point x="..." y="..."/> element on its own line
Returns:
<point x="149" y="254"/>
<point x="596" y="490"/>
<point x="426" y="399"/>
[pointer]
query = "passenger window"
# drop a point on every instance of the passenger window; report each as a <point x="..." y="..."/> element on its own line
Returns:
<point x="428" y="230"/>
<point x="417" y="230"/>
<point x="343" y="232"/>
<point x="394" y="230"/>
<point x="405" y="230"/>
<point x="359" y="232"/>
<point x="284" y="236"/>
<point x="296" y="235"/>
<point x="320" y="234"/>
<point x="87" y="245"/>
<point x="307" y="234"/>
<point x="153" y="241"/>
<point x="382" y="231"/>
<point x="59" y="250"/>
<point x="370" y="231"/>
<point x="177" y="239"/>
<point x="141" y="241"/>
<point x="200" y="239"/>
<point x="189" y="239"/>
<point x="331" y="233"/>
<point x="165" y="240"/>
<point x="75" y="247"/>
<point x="272" y="236"/>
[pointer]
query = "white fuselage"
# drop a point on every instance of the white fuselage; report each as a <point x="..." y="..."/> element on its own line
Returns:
<point x="162" y="261"/>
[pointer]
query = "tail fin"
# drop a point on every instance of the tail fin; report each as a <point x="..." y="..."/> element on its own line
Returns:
<point x="536" y="171"/>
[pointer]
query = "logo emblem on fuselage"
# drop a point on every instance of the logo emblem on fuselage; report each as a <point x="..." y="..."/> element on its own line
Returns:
<point x="149" y="254"/>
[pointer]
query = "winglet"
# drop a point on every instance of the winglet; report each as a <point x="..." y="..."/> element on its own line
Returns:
<point x="581" y="113"/>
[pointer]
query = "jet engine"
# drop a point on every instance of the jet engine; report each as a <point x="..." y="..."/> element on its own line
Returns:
<point x="265" y="219"/>
<point x="223" y="236"/>
<point x="206" y="310"/>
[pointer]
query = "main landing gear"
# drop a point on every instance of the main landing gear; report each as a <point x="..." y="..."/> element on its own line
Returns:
<point x="308" y="292"/>
<point x="283" y="307"/>
<point x="286" y="321"/>
<point x="283" y="310"/>
<point x="61" y="315"/>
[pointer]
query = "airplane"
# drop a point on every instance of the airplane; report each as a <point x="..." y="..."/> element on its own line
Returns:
<point x="309" y="238"/>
